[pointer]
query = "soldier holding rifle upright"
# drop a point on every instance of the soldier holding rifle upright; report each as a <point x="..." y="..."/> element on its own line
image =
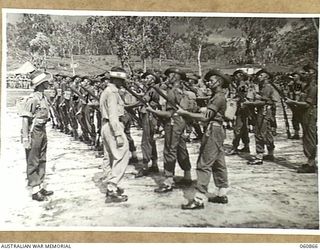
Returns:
<point x="264" y="103"/>
<point x="240" y="129"/>
<point x="211" y="158"/>
<point x="174" y="143"/>
<point x="309" y="119"/>
<point x="149" y="123"/>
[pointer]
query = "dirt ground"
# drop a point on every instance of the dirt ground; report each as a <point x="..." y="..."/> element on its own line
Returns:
<point x="272" y="195"/>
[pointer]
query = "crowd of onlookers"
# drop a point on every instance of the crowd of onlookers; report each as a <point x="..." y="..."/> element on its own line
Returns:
<point x="19" y="81"/>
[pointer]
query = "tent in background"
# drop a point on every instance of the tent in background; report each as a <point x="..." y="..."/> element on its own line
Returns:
<point x="26" y="68"/>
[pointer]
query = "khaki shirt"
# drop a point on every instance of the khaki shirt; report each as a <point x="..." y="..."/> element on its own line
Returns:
<point x="112" y="107"/>
<point x="36" y="107"/>
<point x="218" y="104"/>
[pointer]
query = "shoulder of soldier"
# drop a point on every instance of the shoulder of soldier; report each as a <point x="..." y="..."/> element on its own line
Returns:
<point x="190" y="94"/>
<point x="110" y="89"/>
<point x="33" y="97"/>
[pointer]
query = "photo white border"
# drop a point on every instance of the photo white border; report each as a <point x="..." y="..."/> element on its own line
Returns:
<point x="6" y="11"/>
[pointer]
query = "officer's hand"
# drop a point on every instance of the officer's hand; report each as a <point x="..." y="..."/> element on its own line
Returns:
<point x="26" y="143"/>
<point x="120" y="141"/>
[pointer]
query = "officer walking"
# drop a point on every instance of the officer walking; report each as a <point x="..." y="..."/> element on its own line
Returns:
<point x="115" y="143"/>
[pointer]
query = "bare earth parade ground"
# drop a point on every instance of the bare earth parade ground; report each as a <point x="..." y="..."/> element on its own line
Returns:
<point x="272" y="195"/>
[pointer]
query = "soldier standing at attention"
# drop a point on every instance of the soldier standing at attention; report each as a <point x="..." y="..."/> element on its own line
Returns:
<point x="175" y="147"/>
<point x="309" y="120"/>
<point x="35" y="115"/>
<point x="264" y="103"/>
<point x="211" y="158"/>
<point x="240" y="130"/>
<point x="149" y="123"/>
<point x="115" y="143"/>
<point x="296" y="95"/>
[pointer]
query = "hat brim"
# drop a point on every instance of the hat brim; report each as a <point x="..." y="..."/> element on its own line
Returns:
<point x="144" y="75"/>
<point x="238" y="71"/>
<point x="264" y="71"/>
<point x="176" y="71"/>
<point x="214" y="72"/>
<point x="44" y="77"/>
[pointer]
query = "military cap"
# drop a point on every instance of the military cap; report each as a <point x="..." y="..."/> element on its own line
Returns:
<point x="86" y="77"/>
<point x="308" y="67"/>
<point x="192" y="76"/>
<point x="118" y="72"/>
<point x="74" y="77"/>
<point x="37" y="77"/>
<point x="148" y="73"/>
<point x="177" y="71"/>
<point x="102" y="74"/>
<point x="264" y="71"/>
<point x="295" y="73"/>
<point x="215" y="72"/>
<point x="238" y="71"/>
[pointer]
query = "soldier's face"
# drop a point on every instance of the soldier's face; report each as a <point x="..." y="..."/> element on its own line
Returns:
<point x="262" y="77"/>
<point x="174" y="77"/>
<point x="296" y="77"/>
<point x="214" y="82"/>
<point x="150" y="80"/>
<point x="192" y="82"/>
<point x="239" y="76"/>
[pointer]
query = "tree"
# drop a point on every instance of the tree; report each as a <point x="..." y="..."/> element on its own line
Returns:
<point x="257" y="33"/>
<point x="198" y="33"/>
<point x="30" y="25"/>
<point x="299" y="44"/>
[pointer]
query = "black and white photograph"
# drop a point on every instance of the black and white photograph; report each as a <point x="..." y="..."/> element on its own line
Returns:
<point x="151" y="121"/>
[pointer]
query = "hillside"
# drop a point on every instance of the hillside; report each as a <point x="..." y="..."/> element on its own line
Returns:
<point x="93" y="65"/>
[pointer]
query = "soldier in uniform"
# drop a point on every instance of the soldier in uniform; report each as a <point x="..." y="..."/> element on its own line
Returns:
<point x="149" y="123"/>
<point x="70" y="107"/>
<point x="241" y="122"/>
<point x="199" y="96"/>
<point x="174" y="125"/>
<point x="309" y="120"/>
<point x="264" y="103"/>
<point x="35" y="115"/>
<point x="89" y="111"/>
<point x="211" y="158"/>
<point x="295" y="93"/>
<point x="127" y="121"/>
<point x="115" y="143"/>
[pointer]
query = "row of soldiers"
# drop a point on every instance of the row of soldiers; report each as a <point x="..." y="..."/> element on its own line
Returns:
<point x="104" y="107"/>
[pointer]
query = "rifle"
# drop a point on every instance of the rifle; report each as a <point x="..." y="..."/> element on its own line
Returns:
<point x="90" y="93"/>
<point x="82" y="98"/>
<point x="75" y="91"/>
<point x="173" y="104"/>
<point x="285" y="118"/>
<point x="139" y="98"/>
<point x="282" y="96"/>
